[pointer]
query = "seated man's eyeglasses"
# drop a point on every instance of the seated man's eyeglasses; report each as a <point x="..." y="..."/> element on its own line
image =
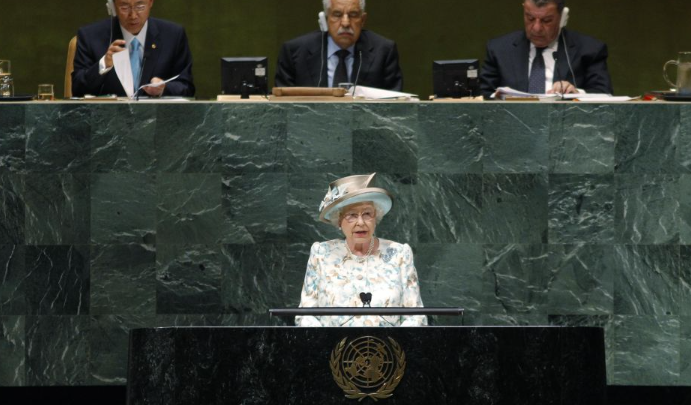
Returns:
<point x="338" y="16"/>
<point x="138" y="8"/>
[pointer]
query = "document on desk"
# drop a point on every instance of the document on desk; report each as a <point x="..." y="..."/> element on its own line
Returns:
<point x="597" y="98"/>
<point x="508" y="92"/>
<point x="371" y="93"/>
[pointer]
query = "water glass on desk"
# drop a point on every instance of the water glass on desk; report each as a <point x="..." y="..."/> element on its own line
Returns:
<point x="6" y="82"/>
<point x="683" y="80"/>
<point x="45" y="92"/>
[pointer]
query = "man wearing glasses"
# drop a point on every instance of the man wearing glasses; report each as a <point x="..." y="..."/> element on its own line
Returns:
<point x="157" y="50"/>
<point x="341" y="53"/>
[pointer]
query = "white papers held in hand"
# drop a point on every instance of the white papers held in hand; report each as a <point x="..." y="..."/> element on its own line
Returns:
<point x="159" y="84"/>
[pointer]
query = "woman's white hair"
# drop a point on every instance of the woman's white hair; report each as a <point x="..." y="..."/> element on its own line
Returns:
<point x="337" y="216"/>
<point x="327" y="4"/>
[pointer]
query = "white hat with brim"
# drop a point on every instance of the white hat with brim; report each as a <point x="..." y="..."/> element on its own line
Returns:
<point x="352" y="190"/>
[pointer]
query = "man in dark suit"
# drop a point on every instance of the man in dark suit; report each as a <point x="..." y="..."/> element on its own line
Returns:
<point x="158" y="50"/>
<point x="544" y="58"/>
<point x="343" y="53"/>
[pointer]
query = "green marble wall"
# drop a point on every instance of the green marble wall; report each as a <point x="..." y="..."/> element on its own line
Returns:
<point x="114" y="216"/>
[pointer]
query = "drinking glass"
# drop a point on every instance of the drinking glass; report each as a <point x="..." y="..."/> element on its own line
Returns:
<point x="46" y="92"/>
<point x="6" y="82"/>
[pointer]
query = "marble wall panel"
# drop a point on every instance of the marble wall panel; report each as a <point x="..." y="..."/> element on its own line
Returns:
<point x="581" y="208"/>
<point x="12" y="351"/>
<point x="58" y="138"/>
<point x="683" y="143"/>
<point x="514" y="208"/>
<point x="189" y="138"/>
<point x="385" y="138"/>
<point x="109" y="337"/>
<point x="57" y="209"/>
<point x="257" y="277"/>
<point x="647" y="281"/>
<point x="581" y="138"/>
<point x="255" y="208"/>
<point x="305" y="193"/>
<point x="647" y="209"/>
<point x="646" y="350"/>
<point x="123" y="279"/>
<point x="684" y="215"/>
<point x="13" y="139"/>
<point x="189" y="209"/>
<point x="456" y="126"/>
<point x="320" y="138"/>
<point x="449" y="208"/>
<point x="12" y="209"/>
<point x="582" y="280"/>
<point x="451" y="276"/>
<point x="122" y="138"/>
<point x="685" y="280"/>
<point x="647" y="139"/>
<point x="516" y="138"/>
<point x="188" y="279"/>
<point x="57" y="350"/>
<point x="516" y="278"/>
<point x="123" y="208"/>
<point x="57" y="280"/>
<point x="400" y="223"/>
<point x="12" y="280"/>
<point x="685" y="351"/>
<point x="255" y="138"/>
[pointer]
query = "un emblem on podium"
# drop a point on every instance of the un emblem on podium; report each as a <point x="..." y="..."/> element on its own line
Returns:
<point x="367" y="367"/>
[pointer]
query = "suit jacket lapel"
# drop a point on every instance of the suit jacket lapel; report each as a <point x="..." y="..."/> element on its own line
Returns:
<point x="150" y="53"/>
<point x="562" y="65"/>
<point x="521" y="57"/>
<point x="363" y="49"/>
<point x="316" y="59"/>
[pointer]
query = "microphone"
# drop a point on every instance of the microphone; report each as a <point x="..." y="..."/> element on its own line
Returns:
<point x="357" y="77"/>
<point x="366" y="299"/>
<point x="321" y="68"/>
<point x="556" y="77"/>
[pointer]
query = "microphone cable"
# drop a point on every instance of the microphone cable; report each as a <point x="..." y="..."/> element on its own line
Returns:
<point x="568" y="60"/>
<point x="139" y="80"/>
<point x="357" y="77"/>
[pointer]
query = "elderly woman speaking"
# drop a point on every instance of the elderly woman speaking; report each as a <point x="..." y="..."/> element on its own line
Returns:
<point x="338" y="271"/>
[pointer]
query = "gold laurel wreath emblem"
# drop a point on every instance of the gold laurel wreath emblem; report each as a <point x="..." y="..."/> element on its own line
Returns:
<point x="351" y="390"/>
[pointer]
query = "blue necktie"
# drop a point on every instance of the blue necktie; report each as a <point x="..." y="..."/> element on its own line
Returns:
<point x="135" y="62"/>
<point x="536" y="82"/>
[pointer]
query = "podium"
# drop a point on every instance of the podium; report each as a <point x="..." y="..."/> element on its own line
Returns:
<point x="418" y="365"/>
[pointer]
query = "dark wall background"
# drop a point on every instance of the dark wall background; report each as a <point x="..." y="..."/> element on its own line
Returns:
<point x="641" y="34"/>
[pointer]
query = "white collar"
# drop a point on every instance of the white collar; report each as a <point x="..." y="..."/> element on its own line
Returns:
<point x="141" y="37"/>
<point x="332" y="48"/>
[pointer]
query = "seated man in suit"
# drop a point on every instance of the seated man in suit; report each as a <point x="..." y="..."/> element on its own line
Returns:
<point x="158" y="50"/>
<point x="344" y="53"/>
<point x="538" y="61"/>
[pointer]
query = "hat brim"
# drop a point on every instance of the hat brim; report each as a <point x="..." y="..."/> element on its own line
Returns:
<point x="381" y="198"/>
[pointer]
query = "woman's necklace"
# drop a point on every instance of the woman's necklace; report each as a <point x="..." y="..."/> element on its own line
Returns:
<point x="361" y="259"/>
